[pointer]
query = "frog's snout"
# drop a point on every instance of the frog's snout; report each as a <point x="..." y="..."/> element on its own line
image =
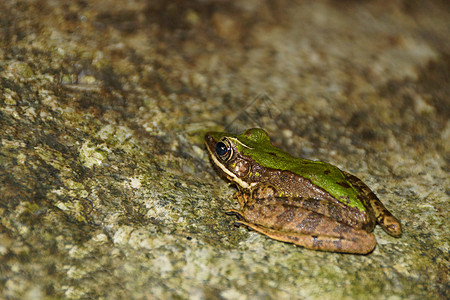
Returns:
<point x="210" y="141"/>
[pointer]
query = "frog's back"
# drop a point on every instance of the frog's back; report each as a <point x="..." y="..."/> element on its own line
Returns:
<point x="324" y="175"/>
<point x="330" y="178"/>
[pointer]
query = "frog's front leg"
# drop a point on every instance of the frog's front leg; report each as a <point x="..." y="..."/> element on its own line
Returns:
<point x="261" y="191"/>
<point x="241" y="197"/>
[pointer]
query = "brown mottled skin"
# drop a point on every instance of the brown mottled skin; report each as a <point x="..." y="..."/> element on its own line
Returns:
<point x="297" y="220"/>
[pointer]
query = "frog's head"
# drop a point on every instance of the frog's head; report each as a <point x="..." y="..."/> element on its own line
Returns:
<point x="232" y="153"/>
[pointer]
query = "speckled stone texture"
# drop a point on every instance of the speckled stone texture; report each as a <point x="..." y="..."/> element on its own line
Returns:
<point x="107" y="192"/>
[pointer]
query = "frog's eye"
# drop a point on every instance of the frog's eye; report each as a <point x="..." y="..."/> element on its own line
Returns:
<point x="223" y="150"/>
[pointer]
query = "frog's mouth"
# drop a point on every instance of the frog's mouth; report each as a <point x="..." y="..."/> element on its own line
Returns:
<point x="211" y="143"/>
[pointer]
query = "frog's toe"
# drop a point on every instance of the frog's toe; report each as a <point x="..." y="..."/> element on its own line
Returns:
<point x="234" y="212"/>
<point x="238" y="224"/>
<point x="392" y="226"/>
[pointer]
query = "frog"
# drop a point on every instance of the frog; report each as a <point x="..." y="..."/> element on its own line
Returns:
<point x="308" y="203"/>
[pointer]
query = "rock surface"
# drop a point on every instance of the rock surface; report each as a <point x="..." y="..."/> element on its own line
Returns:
<point x="105" y="186"/>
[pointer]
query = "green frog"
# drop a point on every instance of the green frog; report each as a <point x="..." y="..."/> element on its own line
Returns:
<point x="308" y="203"/>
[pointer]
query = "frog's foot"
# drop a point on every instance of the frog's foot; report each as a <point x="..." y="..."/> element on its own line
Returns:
<point x="390" y="224"/>
<point x="353" y="241"/>
<point x="234" y="212"/>
<point x="385" y="219"/>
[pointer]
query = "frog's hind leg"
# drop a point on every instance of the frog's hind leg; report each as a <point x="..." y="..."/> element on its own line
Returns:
<point x="384" y="218"/>
<point x="354" y="240"/>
